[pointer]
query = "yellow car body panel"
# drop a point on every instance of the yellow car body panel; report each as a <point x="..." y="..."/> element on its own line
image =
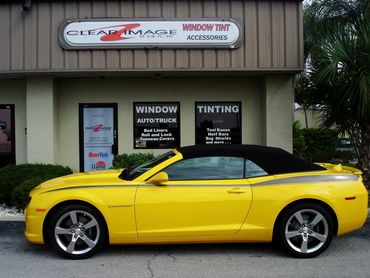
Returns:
<point x="242" y="210"/>
<point x="192" y="208"/>
<point x="270" y="200"/>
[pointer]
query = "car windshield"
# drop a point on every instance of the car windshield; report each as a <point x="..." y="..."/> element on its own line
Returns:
<point x="131" y="174"/>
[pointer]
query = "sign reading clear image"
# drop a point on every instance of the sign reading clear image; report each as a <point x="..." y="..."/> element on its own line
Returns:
<point x="157" y="125"/>
<point x="150" y="33"/>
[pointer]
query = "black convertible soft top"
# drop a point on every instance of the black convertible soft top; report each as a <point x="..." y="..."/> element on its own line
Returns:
<point x="272" y="160"/>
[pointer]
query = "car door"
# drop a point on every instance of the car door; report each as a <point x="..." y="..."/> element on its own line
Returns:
<point x="205" y="196"/>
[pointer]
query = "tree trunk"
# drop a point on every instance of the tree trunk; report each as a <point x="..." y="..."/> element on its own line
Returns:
<point x="361" y="139"/>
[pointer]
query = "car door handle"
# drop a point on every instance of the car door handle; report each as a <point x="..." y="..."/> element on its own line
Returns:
<point x="236" y="190"/>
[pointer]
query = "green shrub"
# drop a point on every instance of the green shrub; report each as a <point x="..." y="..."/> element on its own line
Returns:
<point x="131" y="160"/>
<point x="299" y="144"/>
<point x="19" y="196"/>
<point x="346" y="157"/>
<point x="320" y="144"/>
<point x="12" y="176"/>
<point x="351" y="165"/>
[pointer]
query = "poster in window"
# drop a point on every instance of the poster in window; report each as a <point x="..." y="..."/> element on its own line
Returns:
<point x="218" y="123"/>
<point x="156" y="125"/>
<point x="98" y="138"/>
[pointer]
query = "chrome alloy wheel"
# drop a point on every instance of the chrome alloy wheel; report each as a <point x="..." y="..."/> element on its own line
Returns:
<point x="306" y="231"/>
<point x="77" y="232"/>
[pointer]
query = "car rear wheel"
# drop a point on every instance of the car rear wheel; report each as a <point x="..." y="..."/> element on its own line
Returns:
<point x="305" y="230"/>
<point x="76" y="231"/>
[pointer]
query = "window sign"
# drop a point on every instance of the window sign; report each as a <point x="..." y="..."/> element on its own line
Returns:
<point x="218" y="123"/>
<point x="156" y="125"/>
<point x="7" y="146"/>
<point x="99" y="136"/>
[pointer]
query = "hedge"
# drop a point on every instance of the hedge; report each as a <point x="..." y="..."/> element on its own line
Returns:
<point x="299" y="144"/>
<point x="319" y="145"/>
<point x="13" y="176"/>
<point x="131" y="160"/>
<point x="19" y="196"/>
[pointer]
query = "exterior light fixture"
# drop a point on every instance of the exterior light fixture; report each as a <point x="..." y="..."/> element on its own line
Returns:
<point x="27" y="4"/>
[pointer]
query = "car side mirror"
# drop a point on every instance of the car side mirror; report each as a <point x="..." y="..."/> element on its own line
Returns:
<point x="159" y="178"/>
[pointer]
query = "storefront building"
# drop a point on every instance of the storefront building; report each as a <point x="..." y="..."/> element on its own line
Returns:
<point x="83" y="80"/>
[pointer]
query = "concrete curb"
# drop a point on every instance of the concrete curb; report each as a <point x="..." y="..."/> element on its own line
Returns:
<point x="21" y="217"/>
<point x="12" y="218"/>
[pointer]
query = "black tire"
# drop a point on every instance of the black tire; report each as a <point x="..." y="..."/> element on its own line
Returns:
<point x="305" y="230"/>
<point x="76" y="231"/>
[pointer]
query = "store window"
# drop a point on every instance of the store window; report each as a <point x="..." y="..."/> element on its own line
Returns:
<point x="7" y="136"/>
<point x="98" y="135"/>
<point x="218" y="123"/>
<point x="156" y="125"/>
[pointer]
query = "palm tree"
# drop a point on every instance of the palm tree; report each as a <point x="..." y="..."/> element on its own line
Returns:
<point x="337" y="41"/>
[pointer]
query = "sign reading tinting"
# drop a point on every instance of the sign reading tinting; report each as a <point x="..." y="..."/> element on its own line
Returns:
<point x="218" y="123"/>
<point x="151" y="33"/>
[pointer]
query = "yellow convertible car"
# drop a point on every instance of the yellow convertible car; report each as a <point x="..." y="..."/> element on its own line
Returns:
<point x="201" y="194"/>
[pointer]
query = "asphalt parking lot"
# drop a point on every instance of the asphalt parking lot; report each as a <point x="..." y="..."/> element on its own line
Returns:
<point x="348" y="256"/>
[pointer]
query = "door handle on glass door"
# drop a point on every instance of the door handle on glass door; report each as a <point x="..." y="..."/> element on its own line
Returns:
<point x="236" y="190"/>
<point x="114" y="149"/>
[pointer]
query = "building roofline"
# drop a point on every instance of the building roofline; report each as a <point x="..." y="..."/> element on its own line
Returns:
<point x="147" y="73"/>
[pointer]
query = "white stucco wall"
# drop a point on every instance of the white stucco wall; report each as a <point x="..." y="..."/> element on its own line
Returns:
<point x="51" y="109"/>
<point x="125" y="91"/>
<point x="14" y="92"/>
<point x="278" y="111"/>
<point x="308" y="119"/>
<point x="42" y="126"/>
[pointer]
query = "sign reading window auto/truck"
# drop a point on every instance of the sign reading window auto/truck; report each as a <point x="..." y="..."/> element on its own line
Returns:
<point x="218" y="123"/>
<point x="150" y="33"/>
<point x="156" y="125"/>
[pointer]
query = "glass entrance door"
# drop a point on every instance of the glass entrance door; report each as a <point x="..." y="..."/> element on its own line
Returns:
<point x="7" y="135"/>
<point x="98" y="136"/>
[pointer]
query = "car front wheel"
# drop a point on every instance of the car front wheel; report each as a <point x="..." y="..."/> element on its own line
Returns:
<point x="305" y="230"/>
<point x="76" y="231"/>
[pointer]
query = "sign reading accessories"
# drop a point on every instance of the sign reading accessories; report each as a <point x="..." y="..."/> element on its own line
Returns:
<point x="150" y="33"/>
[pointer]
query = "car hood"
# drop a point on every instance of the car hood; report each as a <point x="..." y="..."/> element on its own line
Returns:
<point x="101" y="178"/>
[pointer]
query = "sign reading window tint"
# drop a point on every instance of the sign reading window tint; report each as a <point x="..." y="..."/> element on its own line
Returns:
<point x="218" y="123"/>
<point x="156" y="125"/>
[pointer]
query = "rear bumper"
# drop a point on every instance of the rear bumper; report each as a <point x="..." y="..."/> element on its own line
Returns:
<point x="352" y="216"/>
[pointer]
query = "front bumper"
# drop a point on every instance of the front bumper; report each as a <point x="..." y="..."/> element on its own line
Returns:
<point x="34" y="223"/>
